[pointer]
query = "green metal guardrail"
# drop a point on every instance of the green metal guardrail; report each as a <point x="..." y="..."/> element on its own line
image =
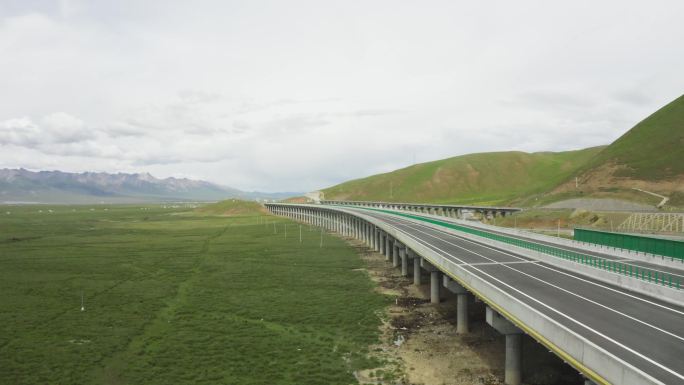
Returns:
<point x="633" y="271"/>
<point x="658" y="246"/>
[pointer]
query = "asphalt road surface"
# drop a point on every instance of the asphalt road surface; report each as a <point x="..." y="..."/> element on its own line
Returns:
<point x="642" y="331"/>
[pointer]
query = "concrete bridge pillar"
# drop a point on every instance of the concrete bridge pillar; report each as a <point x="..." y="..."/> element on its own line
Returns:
<point x="513" y="369"/>
<point x="347" y="226"/>
<point x="395" y="254"/>
<point x="383" y="243"/>
<point x="416" y="269"/>
<point x="388" y="246"/>
<point x="434" y="286"/>
<point x="434" y="279"/>
<point x="378" y="239"/>
<point x="461" y="304"/>
<point x="404" y="261"/>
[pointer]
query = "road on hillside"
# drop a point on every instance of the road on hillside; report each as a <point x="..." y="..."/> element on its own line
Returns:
<point x="644" y="332"/>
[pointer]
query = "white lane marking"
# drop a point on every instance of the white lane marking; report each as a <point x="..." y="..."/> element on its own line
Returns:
<point x="562" y="289"/>
<point x="497" y="263"/>
<point x="563" y="315"/>
<point x="556" y="270"/>
<point x="634" y="262"/>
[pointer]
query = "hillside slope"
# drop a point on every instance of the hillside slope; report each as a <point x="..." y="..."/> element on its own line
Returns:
<point x="484" y="178"/>
<point x="651" y="150"/>
<point x="650" y="157"/>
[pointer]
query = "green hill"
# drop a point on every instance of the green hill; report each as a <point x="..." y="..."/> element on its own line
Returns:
<point x="483" y="178"/>
<point x="232" y="207"/>
<point x="652" y="150"/>
<point x="648" y="157"/>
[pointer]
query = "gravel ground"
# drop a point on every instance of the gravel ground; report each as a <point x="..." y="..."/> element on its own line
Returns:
<point x="595" y="204"/>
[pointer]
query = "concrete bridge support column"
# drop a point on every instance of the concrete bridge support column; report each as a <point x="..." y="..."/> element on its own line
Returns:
<point x="434" y="286"/>
<point x="388" y="247"/>
<point x="395" y="254"/>
<point x="345" y="225"/>
<point x="416" y="269"/>
<point x="461" y="304"/>
<point x="404" y="261"/>
<point x="381" y="241"/>
<point x="434" y="280"/>
<point x="376" y="239"/>
<point x="513" y="369"/>
<point x="370" y="235"/>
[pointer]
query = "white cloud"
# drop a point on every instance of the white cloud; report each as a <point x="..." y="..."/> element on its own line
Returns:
<point x="303" y="94"/>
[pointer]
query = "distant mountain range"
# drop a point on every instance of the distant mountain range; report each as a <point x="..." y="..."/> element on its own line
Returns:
<point x="24" y="186"/>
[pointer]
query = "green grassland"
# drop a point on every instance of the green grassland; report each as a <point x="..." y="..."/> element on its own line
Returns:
<point x="485" y="178"/>
<point x="177" y="296"/>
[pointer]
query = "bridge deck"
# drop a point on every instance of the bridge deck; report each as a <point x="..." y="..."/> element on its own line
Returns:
<point x="644" y="332"/>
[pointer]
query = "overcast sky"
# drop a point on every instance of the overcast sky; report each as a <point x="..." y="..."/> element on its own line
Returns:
<point x="299" y="95"/>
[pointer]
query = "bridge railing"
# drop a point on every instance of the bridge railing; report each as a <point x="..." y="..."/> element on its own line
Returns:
<point x="657" y="246"/>
<point x="633" y="271"/>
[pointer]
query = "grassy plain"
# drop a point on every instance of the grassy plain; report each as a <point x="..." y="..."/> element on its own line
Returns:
<point x="177" y="296"/>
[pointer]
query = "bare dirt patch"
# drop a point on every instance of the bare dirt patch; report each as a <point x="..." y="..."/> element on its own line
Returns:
<point x="420" y="345"/>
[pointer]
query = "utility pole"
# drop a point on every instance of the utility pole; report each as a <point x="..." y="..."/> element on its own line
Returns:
<point x="321" y="246"/>
<point x="558" y="234"/>
<point x="275" y="231"/>
<point x="300" y="233"/>
<point x="286" y="231"/>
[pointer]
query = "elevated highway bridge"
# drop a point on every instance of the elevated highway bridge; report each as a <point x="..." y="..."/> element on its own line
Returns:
<point x="616" y="318"/>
